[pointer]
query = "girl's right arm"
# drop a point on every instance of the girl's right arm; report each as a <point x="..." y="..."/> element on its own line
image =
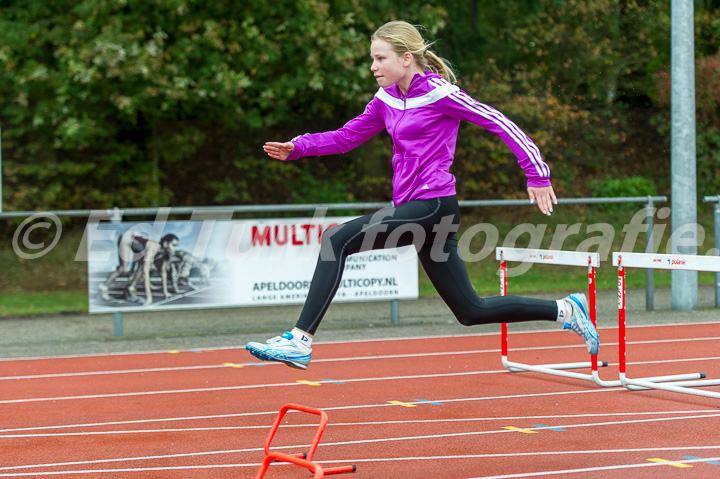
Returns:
<point x="279" y="151"/>
<point x="353" y="133"/>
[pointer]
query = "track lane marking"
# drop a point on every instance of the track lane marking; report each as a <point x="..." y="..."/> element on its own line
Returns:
<point x="351" y="341"/>
<point x="583" y="470"/>
<point x="330" y="360"/>
<point x="371" y="423"/>
<point x="253" y="386"/>
<point x="237" y="388"/>
<point x="362" y="441"/>
<point x="391" y="459"/>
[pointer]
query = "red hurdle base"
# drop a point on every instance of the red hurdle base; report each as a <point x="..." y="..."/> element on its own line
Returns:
<point x="300" y="459"/>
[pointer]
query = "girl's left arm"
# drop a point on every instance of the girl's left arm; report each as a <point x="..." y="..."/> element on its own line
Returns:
<point x="353" y="133"/>
<point x="461" y="105"/>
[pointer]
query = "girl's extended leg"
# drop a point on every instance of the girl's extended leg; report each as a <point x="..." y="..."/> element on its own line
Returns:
<point x="409" y="223"/>
<point x="430" y="225"/>
<point x="415" y="222"/>
<point x="450" y="278"/>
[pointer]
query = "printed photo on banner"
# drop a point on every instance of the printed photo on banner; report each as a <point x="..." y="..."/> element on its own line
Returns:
<point x="229" y="263"/>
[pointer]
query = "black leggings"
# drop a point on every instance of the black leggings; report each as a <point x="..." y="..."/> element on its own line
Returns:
<point x="431" y="226"/>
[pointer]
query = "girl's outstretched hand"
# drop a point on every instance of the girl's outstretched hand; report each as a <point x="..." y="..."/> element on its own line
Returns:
<point x="545" y="197"/>
<point x="279" y="151"/>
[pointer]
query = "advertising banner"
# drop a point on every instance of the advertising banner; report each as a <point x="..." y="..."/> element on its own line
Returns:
<point x="229" y="263"/>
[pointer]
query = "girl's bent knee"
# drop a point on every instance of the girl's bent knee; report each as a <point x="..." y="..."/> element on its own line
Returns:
<point x="466" y="320"/>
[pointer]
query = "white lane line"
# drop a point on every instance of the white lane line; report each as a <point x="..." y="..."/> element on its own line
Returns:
<point x="141" y="421"/>
<point x="237" y="388"/>
<point x="249" y="364"/>
<point x="256" y="386"/>
<point x="592" y="469"/>
<point x="361" y="358"/>
<point x="710" y="413"/>
<point x="149" y="431"/>
<point x="267" y="413"/>
<point x="347" y="443"/>
<point x="422" y="458"/>
<point x="139" y="469"/>
<point x="533" y="454"/>
<point x="351" y="341"/>
<point x="119" y="371"/>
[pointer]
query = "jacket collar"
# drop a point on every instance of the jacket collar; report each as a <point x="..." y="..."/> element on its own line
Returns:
<point x="416" y="86"/>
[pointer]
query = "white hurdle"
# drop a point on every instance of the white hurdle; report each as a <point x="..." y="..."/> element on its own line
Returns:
<point x="558" y="257"/>
<point x="680" y="383"/>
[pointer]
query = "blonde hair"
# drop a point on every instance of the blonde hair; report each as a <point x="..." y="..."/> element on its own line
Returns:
<point x="404" y="37"/>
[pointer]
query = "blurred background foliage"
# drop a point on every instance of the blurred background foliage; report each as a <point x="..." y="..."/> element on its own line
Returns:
<point x="167" y="103"/>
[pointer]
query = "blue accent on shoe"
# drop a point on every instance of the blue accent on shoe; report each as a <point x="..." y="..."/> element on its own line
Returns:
<point x="282" y="349"/>
<point x="581" y="324"/>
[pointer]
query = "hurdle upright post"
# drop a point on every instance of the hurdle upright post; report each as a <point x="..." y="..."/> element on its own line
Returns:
<point x="504" y="327"/>
<point x="680" y="383"/>
<point x="592" y="303"/>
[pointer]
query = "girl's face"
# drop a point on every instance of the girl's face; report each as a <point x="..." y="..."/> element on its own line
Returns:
<point x="387" y="66"/>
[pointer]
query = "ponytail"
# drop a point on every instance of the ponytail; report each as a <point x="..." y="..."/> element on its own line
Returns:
<point x="438" y="65"/>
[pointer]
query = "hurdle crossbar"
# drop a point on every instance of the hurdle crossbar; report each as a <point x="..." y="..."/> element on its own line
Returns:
<point x="681" y="383"/>
<point x="558" y="257"/>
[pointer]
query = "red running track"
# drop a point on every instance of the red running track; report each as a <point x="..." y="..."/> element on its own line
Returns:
<point x="411" y="408"/>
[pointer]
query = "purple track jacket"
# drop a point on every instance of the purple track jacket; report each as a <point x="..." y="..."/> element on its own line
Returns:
<point x="424" y="126"/>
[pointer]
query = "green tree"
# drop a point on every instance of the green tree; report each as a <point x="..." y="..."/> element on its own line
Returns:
<point x="707" y="104"/>
<point x="168" y="102"/>
<point x="132" y="103"/>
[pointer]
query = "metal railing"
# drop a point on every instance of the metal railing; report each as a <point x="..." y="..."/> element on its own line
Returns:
<point x="226" y="212"/>
<point x="117" y="213"/>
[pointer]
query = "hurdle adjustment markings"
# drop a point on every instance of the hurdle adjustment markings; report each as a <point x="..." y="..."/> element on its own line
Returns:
<point x="233" y="365"/>
<point x="532" y="431"/>
<point x="319" y="383"/>
<point x="669" y="463"/>
<point x="423" y="401"/>
<point x="706" y="461"/>
<point x="242" y="365"/>
<point x="332" y="381"/>
<point x="543" y="426"/>
<point x="519" y="429"/>
<point x="308" y="383"/>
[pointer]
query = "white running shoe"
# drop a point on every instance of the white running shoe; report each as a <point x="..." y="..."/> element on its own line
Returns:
<point x="580" y="322"/>
<point x="282" y="349"/>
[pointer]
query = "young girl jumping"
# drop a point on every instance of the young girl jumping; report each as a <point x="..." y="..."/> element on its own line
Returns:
<point x="421" y="108"/>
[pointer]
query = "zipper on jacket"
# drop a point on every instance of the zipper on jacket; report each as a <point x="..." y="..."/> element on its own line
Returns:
<point x="404" y="99"/>
<point x="402" y="116"/>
